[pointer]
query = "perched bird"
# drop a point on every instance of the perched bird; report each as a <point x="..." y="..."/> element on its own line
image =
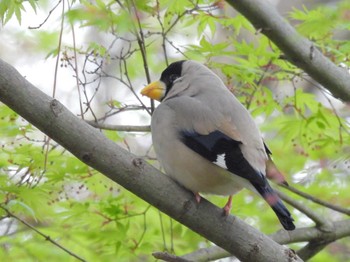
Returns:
<point x="206" y="140"/>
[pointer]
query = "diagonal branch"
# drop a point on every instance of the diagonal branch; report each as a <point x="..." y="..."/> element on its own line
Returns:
<point x="125" y="128"/>
<point x="312" y="248"/>
<point x="321" y="222"/>
<point x="46" y="237"/>
<point x="165" y="256"/>
<point x="299" y="50"/>
<point x="316" y="200"/>
<point x="313" y="235"/>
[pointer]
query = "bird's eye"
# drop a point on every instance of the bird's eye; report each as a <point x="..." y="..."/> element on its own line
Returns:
<point x="173" y="77"/>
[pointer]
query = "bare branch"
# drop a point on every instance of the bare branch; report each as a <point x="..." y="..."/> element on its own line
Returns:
<point x="207" y="254"/>
<point x="47" y="18"/>
<point x="46" y="237"/>
<point x="312" y="248"/>
<point x="340" y="230"/>
<point x="76" y="70"/>
<point x="141" y="42"/>
<point x="58" y="51"/>
<point x="119" y="127"/>
<point x="169" y="257"/>
<point x="322" y="223"/>
<point x="316" y="200"/>
<point x="117" y="110"/>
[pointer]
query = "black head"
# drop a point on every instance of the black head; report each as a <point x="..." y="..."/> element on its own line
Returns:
<point x="171" y="73"/>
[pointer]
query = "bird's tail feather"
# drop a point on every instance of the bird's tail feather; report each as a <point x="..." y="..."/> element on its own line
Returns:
<point x="276" y="204"/>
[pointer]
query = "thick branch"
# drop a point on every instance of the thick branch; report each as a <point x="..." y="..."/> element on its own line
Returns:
<point x="312" y="235"/>
<point x="299" y="50"/>
<point x="94" y="149"/>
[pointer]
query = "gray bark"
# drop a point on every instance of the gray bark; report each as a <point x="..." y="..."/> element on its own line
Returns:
<point x="299" y="50"/>
<point x="316" y="237"/>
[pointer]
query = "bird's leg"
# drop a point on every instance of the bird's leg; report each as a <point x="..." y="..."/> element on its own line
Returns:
<point x="228" y="206"/>
<point x="198" y="197"/>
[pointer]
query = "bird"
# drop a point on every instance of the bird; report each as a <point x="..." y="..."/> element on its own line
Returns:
<point x="207" y="141"/>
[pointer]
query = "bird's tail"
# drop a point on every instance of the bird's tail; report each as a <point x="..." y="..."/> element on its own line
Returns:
<point x="276" y="204"/>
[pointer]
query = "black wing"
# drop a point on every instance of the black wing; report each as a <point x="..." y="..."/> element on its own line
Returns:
<point x="217" y="144"/>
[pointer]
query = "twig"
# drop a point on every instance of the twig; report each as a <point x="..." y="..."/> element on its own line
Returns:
<point x="123" y="64"/>
<point x="165" y="256"/>
<point x="46" y="148"/>
<point x="133" y="91"/>
<point x="207" y="254"/>
<point x="137" y="243"/>
<point x="311" y="249"/>
<point x="47" y="238"/>
<point x="122" y="128"/>
<point x="266" y="69"/>
<point x="162" y="230"/>
<point x="163" y="34"/>
<point x="317" y="200"/>
<point x="141" y="43"/>
<point x="55" y="79"/>
<point x="58" y="52"/>
<point x="125" y="108"/>
<point x="48" y="16"/>
<point x="76" y="67"/>
<point x="325" y="94"/>
<point x="177" y="48"/>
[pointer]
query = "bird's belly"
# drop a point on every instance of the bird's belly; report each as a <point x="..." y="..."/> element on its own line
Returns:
<point x="200" y="175"/>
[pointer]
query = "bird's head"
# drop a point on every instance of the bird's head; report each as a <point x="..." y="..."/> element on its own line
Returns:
<point x="159" y="89"/>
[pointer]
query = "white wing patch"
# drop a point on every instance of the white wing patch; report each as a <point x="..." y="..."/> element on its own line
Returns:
<point x="220" y="161"/>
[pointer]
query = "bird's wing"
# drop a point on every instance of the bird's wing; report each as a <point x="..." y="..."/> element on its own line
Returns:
<point x="223" y="151"/>
<point x="226" y="152"/>
<point x="216" y="137"/>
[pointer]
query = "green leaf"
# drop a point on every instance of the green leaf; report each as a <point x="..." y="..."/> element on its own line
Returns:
<point x="9" y="7"/>
<point x="14" y="203"/>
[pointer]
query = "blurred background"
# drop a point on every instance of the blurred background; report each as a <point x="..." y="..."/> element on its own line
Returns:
<point x="95" y="56"/>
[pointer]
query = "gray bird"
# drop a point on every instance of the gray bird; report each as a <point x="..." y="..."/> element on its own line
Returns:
<point x="207" y="141"/>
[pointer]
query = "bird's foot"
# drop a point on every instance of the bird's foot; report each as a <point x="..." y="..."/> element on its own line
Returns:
<point x="228" y="206"/>
<point x="198" y="197"/>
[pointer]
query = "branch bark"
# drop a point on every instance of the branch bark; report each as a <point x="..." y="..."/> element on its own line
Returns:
<point x="299" y="50"/>
<point x="131" y="172"/>
<point x="315" y="236"/>
<point x="121" y="128"/>
<point x="320" y="221"/>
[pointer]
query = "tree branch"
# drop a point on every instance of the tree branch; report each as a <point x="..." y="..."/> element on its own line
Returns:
<point x="119" y="127"/>
<point x="311" y="249"/>
<point x="340" y="229"/>
<point x="321" y="222"/>
<point x="316" y="200"/>
<point x="299" y="50"/>
<point x="94" y="149"/>
<point x="165" y="256"/>
<point x="46" y="237"/>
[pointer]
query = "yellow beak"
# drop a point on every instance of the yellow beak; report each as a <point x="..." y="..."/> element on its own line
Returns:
<point x="155" y="90"/>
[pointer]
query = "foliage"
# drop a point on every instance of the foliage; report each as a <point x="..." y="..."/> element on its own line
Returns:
<point x="8" y="8"/>
<point x="96" y="219"/>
